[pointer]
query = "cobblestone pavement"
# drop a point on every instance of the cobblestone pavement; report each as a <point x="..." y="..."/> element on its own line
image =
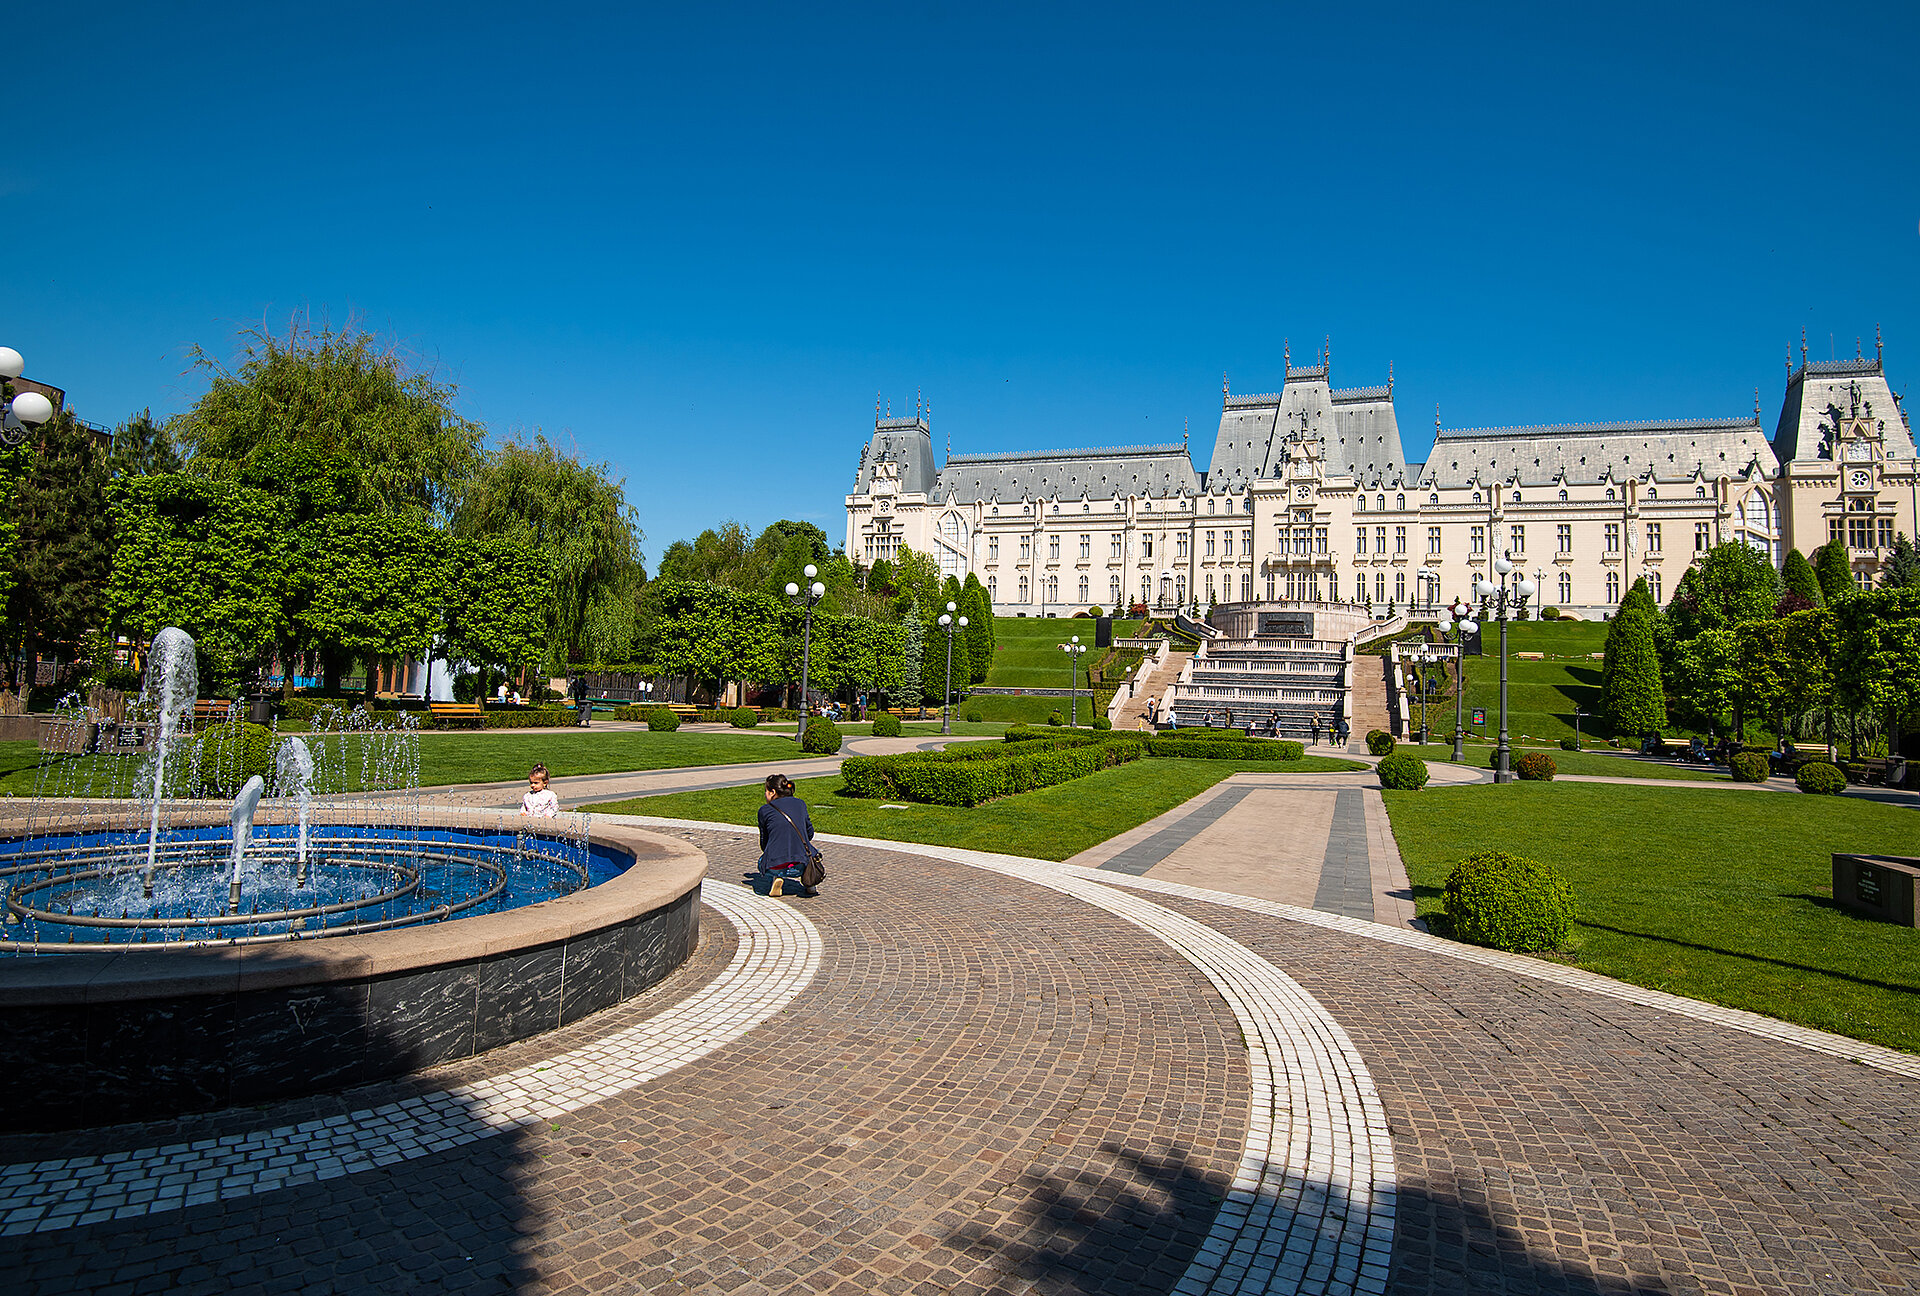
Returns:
<point x="1006" y="1076"/>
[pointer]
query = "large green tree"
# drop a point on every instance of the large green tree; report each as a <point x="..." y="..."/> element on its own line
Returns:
<point x="1632" y="697"/>
<point x="711" y="633"/>
<point x="576" y="517"/>
<point x="979" y="614"/>
<point x="1706" y="678"/>
<point x="496" y="603"/>
<point x="370" y="587"/>
<point x="1877" y="655"/>
<point x="344" y="412"/>
<point x="1902" y="569"/>
<point x="1835" y="573"/>
<point x="63" y="538"/>
<point x="1797" y="577"/>
<point x="1733" y="582"/>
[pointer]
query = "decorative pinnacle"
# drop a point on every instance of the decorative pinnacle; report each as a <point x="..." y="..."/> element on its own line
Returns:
<point x="1286" y="351"/>
<point x="876" y="407"/>
<point x="1326" y="354"/>
<point x="1756" y="404"/>
<point x="1803" y="344"/>
<point x="1877" y="351"/>
<point x="1389" y="378"/>
<point x="1436" y="418"/>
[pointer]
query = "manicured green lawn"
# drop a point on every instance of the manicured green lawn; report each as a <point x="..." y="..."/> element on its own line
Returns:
<point x="1718" y="895"/>
<point x="1581" y="762"/>
<point x="493" y="758"/>
<point x="1026" y="650"/>
<point x="1051" y="823"/>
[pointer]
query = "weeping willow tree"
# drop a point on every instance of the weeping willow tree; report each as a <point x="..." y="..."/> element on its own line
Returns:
<point x="334" y="422"/>
<point x="577" y="518"/>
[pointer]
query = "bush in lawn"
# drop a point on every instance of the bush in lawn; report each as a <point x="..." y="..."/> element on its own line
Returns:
<point x="822" y="737"/>
<point x="743" y="717"/>
<point x="1101" y="722"/>
<point x="1822" y="778"/>
<point x="230" y="754"/>
<point x="1380" y="743"/>
<point x="1404" y="772"/>
<point x="1509" y="902"/>
<point x="661" y="720"/>
<point x="1550" y="614"/>
<point x="886" y="726"/>
<point x="1568" y="744"/>
<point x="1749" y="767"/>
<point x="1055" y="718"/>
<point x="973" y="717"/>
<point x="1536" y="767"/>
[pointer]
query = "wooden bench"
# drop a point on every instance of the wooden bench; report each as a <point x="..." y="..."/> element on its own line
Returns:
<point x="456" y="714"/>
<point x="212" y="711"/>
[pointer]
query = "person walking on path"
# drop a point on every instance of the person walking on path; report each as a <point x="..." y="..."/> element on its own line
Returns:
<point x="583" y="711"/>
<point x="1341" y="730"/>
<point x="1273" y="724"/>
<point x="785" y="830"/>
<point x="1316" y="728"/>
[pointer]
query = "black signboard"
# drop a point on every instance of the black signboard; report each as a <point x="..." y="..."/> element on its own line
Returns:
<point x="1285" y="625"/>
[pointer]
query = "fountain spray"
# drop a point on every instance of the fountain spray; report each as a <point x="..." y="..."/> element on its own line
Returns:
<point x="293" y="776"/>
<point x="244" y="806"/>
<point x="173" y="681"/>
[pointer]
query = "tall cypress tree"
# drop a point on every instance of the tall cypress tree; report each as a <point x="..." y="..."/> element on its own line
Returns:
<point x="1903" y="566"/>
<point x="911" y="691"/>
<point x="1798" y="576"/>
<point x="63" y="550"/>
<point x="979" y="614"/>
<point x="1835" y="574"/>
<point x="1631" y="695"/>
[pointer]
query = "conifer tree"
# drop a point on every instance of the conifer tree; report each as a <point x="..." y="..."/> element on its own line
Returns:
<point x="1798" y="576"/>
<point x="1834" y="572"/>
<point x="1631" y="695"/>
<point x="979" y="632"/>
<point x="911" y="691"/>
<point x="1903" y="566"/>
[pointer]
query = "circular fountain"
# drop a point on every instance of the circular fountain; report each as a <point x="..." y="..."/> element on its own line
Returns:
<point x="179" y="932"/>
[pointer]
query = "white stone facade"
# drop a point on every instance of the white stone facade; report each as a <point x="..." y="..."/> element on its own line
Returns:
<point x="1309" y="497"/>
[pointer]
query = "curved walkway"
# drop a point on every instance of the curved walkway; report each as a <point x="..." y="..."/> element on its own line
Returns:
<point x="1000" y="1075"/>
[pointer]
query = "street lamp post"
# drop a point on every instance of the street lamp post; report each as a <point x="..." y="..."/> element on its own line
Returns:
<point x="1577" y="714"/>
<point x="22" y="411"/>
<point x="949" y="622"/>
<point x="1073" y="651"/>
<point x="815" y="592"/>
<point x="1459" y="626"/>
<point x="1504" y="601"/>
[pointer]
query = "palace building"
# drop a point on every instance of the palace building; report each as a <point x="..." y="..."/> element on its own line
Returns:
<point x="1309" y="497"/>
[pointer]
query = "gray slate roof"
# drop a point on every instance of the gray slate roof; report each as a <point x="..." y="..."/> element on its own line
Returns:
<point x="1360" y="430"/>
<point x="1819" y="389"/>
<point x="1671" y="449"/>
<point x="905" y="441"/>
<point x="1110" y="472"/>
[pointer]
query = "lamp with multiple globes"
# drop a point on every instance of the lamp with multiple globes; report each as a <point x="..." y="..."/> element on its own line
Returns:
<point x="1503" y="602"/>
<point x="949" y="622"/>
<point x="1073" y="651"/>
<point x="814" y="593"/>
<point x="22" y="411"/>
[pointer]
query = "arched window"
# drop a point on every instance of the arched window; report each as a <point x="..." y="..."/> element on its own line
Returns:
<point x="1757" y="511"/>
<point x="1360" y="503"/>
<point x="1699" y="492"/>
<point x="1083" y="589"/>
<point x="1023" y="590"/>
<point x="1434" y="498"/>
<point x="1566" y="587"/>
<point x="1476" y="497"/>
<point x="1563" y="497"/>
<point x="1613" y="587"/>
<point x="1113" y="592"/>
<point x="1399" y="501"/>
<point x="1609" y="492"/>
<point x="1652" y="493"/>
<point x="993" y="588"/>
<point x="1516" y="497"/>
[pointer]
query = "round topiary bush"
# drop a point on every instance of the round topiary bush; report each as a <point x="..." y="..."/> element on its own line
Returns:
<point x="885" y="725"/>
<point x="1536" y="767"/>
<point x="1822" y="778"/>
<point x="1055" y="718"/>
<point x="743" y="717"/>
<point x="1749" y="767"/>
<point x="1101" y="722"/>
<point x="822" y="737"/>
<point x="230" y="754"/>
<point x="974" y="717"/>
<point x="1380" y="743"/>
<point x="1509" y="902"/>
<point x="1550" y="614"/>
<point x="1404" y="772"/>
<point x="1568" y="744"/>
<point x="661" y="720"/>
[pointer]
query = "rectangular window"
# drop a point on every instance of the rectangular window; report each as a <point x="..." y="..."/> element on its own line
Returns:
<point x="1226" y="543"/>
<point x="1180" y="545"/>
<point x="1380" y="540"/>
<point x="1302" y="541"/>
<point x="1053" y="549"/>
<point x="1833" y="530"/>
<point x="1209" y="547"/>
<point x="1246" y="542"/>
<point x="1026" y="552"/>
<point x="1886" y="533"/>
<point x="1320" y="540"/>
<point x="1517" y="540"/>
<point x="1613" y="543"/>
<point x="1563" y="537"/>
<point x="993" y="548"/>
<point x="1086" y="547"/>
<point x="1146" y="546"/>
<point x="1360" y="540"/>
<point x="1479" y="535"/>
<point x="1113" y="546"/>
<point x="1859" y="532"/>
<point x="1433" y="540"/>
<point x="1653" y="537"/>
<point x="1399" y="539"/>
<point x="1702" y="537"/>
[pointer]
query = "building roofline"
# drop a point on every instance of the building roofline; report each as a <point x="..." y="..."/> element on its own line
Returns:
<point x="1658" y="426"/>
<point x="1102" y="452"/>
<point x="1836" y="369"/>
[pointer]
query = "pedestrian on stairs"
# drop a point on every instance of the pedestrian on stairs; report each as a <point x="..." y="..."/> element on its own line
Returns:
<point x="1316" y="728"/>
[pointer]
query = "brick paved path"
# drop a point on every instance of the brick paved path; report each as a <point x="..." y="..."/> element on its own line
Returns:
<point x="1025" y="1077"/>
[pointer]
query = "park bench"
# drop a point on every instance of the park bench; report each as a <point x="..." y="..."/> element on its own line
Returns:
<point x="212" y="711"/>
<point x="1880" y="771"/>
<point x="453" y="715"/>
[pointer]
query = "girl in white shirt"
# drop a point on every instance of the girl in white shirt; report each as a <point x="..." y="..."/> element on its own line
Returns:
<point x="540" y="800"/>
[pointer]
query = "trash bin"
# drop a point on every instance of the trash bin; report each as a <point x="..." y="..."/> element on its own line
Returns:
<point x="260" y="711"/>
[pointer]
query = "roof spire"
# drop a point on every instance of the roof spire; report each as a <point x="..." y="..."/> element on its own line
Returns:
<point x="1183" y="436"/>
<point x="876" y="408"/>
<point x="1389" y="380"/>
<point x="1803" y="345"/>
<point x="1223" y="389"/>
<point x="1436" y="418"/>
<point x="1756" y="404"/>
<point x="889" y="408"/>
<point x="1877" y="350"/>
<point x="1326" y="356"/>
<point x="916" y="402"/>
<point x="1286" y="351"/>
<point x="1856" y="348"/>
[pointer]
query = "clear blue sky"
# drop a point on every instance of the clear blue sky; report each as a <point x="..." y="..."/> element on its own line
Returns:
<point x="696" y="240"/>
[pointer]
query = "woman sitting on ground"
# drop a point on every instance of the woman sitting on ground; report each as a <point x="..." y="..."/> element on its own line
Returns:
<point x="785" y="830"/>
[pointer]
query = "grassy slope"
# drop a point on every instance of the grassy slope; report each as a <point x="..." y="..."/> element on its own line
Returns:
<point x="1582" y="762"/>
<point x="1026" y="650"/>
<point x="1723" y="896"/>
<point x="1052" y="823"/>
<point x="494" y="758"/>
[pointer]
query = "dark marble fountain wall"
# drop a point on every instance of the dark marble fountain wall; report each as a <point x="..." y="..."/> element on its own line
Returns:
<point x="93" y="1039"/>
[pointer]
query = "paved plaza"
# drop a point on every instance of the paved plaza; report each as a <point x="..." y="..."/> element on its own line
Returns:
<point x="955" y="1072"/>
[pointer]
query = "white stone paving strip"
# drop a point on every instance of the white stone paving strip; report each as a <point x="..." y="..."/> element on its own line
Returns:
<point x="1312" y="1202"/>
<point x="778" y="956"/>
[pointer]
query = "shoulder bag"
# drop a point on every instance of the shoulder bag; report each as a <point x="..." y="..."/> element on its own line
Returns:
<point x="814" y="871"/>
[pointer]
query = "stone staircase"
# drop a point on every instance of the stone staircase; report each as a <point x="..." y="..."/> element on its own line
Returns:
<point x="1369" y="699"/>
<point x="1133" y="712"/>
<point x="1263" y="682"/>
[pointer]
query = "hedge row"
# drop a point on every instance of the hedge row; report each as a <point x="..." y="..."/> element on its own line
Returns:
<point x="968" y="780"/>
<point x="536" y="718"/>
<point x="1277" y="749"/>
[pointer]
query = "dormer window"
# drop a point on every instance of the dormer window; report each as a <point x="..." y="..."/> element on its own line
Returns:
<point x="1609" y="492"/>
<point x="1360" y="504"/>
<point x="1516" y="497"/>
<point x="1476" y="497"/>
<point x="996" y="510"/>
<point x="1400" y="501"/>
<point x="1699" y="492"/>
<point x="1563" y="497"/>
<point x="1434" y="498"/>
<point x="1652" y="494"/>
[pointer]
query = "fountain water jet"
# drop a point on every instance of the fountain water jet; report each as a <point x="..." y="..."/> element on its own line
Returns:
<point x="244" y="807"/>
<point x="173" y="682"/>
<point x="293" y="777"/>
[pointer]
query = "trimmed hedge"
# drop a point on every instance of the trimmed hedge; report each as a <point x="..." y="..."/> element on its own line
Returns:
<point x="1274" y="749"/>
<point x="821" y="738"/>
<point x="230" y="754"/>
<point x="1822" y="778"/>
<point x="661" y="720"/>
<point x="969" y="777"/>
<point x="1380" y="743"/>
<point x="1536" y="767"/>
<point x="537" y="718"/>
<point x="1749" y="767"/>
<point x="1028" y="733"/>
<point x="743" y="717"/>
<point x="1403" y="772"/>
<point x="1508" y="902"/>
<point x="1568" y="744"/>
<point x="886" y="726"/>
<point x="1055" y="718"/>
<point x="1101" y="722"/>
